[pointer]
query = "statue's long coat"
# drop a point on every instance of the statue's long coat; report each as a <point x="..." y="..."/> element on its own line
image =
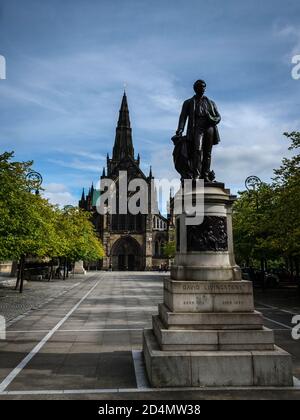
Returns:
<point x="188" y="112"/>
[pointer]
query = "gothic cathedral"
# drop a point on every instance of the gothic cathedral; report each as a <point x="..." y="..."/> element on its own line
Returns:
<point x="131" y="242"/>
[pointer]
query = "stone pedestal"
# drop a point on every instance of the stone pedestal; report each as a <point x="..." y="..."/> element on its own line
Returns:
<point x="78" y="268"/>
<point x="207" y="332"/>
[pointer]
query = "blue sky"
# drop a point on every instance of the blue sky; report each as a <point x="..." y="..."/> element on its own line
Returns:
<point x="67" y="62"/>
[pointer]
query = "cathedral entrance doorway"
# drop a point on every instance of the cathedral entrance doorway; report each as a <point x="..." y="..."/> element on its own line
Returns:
<point x="126" y="255"/>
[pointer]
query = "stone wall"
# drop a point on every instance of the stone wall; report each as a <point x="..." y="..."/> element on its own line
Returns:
<point x="5" y="266"/>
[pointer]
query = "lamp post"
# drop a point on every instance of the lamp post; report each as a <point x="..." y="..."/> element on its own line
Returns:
<point x="34" y="181"/>
<point x="150" y="252"/>
<point x="252" y="184"/>
<point x="68" y="207"/>
<point x="66" y="263"/>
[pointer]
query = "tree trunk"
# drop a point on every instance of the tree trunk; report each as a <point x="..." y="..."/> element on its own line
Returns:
<point x="51" y="271"/>
<point x="291" y="260"/>
<point x="14" y="268"/>
<point x="262" y="267"/>
<point x="286" y="263"/>
<point x="266" y="265"/>
<point x="19" y="274"/>
<point x="22" y="273"/>
<point x="296" y="261"/>
<point x="64" y="276"/>
<point x="297" y="273"/>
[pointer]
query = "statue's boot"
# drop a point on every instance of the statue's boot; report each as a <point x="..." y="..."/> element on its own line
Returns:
<point x="206" y="167"/>
<point x="197" y="163"/>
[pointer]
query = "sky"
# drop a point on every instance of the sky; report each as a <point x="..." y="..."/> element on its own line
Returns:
<point x="67" y="63"/>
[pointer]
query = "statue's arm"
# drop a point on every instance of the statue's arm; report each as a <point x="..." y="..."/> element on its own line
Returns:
<point x="215" y="117"/>
<point x="182" y="118"/>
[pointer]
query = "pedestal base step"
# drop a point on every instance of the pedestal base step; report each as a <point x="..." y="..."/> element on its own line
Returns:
<point x="209" y="320"/>
<point x="215" y="340"/>
<point x="215" y="368"/>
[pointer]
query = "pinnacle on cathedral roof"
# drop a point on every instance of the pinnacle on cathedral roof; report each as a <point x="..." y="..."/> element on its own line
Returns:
<point x="150" y="172"/>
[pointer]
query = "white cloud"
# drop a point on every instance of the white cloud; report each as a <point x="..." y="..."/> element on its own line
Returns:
<point x="291" y="34"/>
<point x="251" y="143"/>
<point x="166" y="102"/>
<point x="87" y="155"/>
<point x="59" y="194"/>
<point x="76" y="98"/>
<point x="77" y="164"/>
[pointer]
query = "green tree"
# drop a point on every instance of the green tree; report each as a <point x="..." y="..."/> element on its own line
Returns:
<point x="286" y="185"/>
<point x="266" y="221"/>
<point x="15" y="206"/>
<point x="169" y="249"/>
<point x="79" y="240"/>
<point x="31" y="226"/>
<point x="252" y="218"/>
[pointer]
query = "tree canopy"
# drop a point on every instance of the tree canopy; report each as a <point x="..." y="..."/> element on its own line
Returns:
<point x="30" y="225"/>
<point x="266" y="221"/>
<point x="170" y="249"/>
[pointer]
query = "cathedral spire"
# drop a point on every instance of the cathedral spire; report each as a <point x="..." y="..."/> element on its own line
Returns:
<point x="124" y="121"/>
<point x="123" y="146"/>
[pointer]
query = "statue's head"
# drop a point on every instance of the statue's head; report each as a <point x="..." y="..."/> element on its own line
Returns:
<point x="199" y="87"/>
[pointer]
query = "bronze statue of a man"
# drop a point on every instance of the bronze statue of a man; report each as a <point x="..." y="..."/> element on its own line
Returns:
<point x="192" y="153"/>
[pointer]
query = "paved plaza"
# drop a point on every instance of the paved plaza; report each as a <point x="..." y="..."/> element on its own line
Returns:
<point x="82" y="338"/>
